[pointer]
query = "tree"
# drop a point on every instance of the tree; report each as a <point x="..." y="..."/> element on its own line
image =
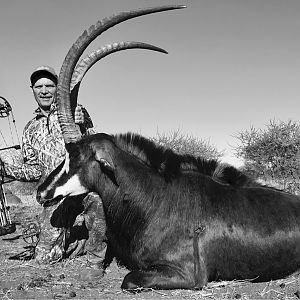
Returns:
<point x="187" y="144"/>
<point x="273" y="154"/>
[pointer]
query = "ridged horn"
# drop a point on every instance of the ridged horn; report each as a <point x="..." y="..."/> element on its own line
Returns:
<point x="86" y="63"/>
<point x="70" y="130"/>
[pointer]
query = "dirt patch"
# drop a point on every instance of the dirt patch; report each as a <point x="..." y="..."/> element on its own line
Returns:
<point x="64" y="280"/>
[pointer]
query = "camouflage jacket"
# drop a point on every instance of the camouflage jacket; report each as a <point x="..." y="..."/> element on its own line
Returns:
<point x="43" y="147"/>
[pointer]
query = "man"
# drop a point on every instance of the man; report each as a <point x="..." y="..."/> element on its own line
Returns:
<point x="43" y="149"/>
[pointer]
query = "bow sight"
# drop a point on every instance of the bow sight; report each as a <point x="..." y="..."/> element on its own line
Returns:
<point x="5" y="108"/>
<point x="6" y="225"/>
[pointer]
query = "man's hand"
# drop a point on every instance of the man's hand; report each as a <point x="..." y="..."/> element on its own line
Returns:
<point x="79" y="116"/>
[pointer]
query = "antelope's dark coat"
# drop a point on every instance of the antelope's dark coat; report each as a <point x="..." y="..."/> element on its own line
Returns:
<point x="177" y="221"/>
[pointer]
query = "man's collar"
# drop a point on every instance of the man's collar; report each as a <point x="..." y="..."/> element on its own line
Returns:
<point x="41" y="113"/>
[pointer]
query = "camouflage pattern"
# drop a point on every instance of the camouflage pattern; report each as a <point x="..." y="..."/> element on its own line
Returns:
<point x="94" y="218"/>
<point x="43" y="147"/>
<point x="76" y="226"/>
<point x="61" y="234"/>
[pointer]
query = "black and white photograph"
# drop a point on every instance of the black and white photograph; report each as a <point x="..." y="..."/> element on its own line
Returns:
<point x="149" y="149"/>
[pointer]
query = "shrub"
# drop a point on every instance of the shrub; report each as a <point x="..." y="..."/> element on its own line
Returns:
<point x="187" y="144"/>
<point x="272" y="154"/>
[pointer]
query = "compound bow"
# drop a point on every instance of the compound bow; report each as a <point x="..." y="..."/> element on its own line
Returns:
<point x="6" y="225"/>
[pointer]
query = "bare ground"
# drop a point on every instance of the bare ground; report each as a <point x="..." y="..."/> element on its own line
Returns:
<point x="66" y="280"/>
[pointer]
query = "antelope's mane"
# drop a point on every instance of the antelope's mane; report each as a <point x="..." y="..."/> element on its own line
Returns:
<point x="170" y="164"/>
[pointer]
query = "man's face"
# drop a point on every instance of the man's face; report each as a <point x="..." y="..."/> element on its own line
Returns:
<point x="44" y="91"/>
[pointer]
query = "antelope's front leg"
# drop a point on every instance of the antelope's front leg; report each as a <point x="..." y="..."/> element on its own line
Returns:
<point x="162" y="277"/>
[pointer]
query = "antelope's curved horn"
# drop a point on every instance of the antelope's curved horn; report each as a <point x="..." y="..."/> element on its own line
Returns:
<point x="86" y="63"/>
<point x="70" y="131"/>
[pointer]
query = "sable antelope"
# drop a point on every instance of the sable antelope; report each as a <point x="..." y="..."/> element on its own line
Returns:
<point x="175" y="221"/>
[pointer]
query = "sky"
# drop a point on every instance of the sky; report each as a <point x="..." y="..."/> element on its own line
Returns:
<point x="231" y="64"/>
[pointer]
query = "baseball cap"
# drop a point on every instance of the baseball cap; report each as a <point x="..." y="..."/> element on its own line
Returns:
<point x="43" y="70"/>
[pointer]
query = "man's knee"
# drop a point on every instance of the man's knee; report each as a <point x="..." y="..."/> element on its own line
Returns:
<point x="93" y="213"/>
<point x="83" y="222"/>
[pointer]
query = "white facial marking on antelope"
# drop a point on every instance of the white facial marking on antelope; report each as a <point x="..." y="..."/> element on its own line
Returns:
<point x="66" y="166"/>
<point x="72" y="187"/>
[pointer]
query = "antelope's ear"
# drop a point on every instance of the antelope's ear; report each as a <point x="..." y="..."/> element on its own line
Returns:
<point x="103" y="154"/>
